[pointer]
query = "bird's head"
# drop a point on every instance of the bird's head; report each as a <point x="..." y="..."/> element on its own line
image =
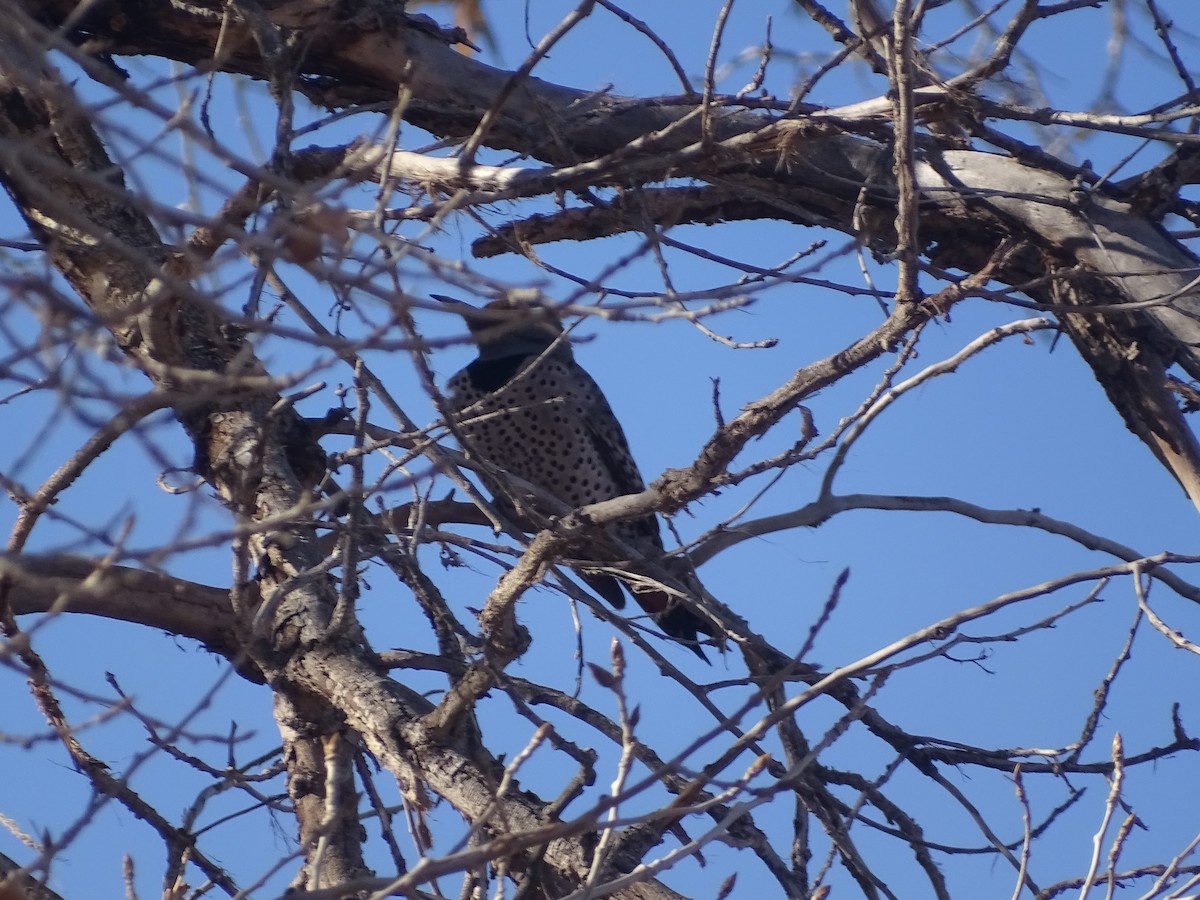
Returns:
<point x="504" y="328"/>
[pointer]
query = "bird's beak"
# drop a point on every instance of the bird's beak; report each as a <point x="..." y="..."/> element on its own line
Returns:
<point x="477" y="320"/>
<point x="452" y="302"/>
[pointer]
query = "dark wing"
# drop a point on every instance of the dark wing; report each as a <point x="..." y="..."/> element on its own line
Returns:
<point x="607" y="587"/>
<point x="612" y="448"/>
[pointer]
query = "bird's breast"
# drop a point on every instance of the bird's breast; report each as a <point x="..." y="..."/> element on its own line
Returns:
<point x="536" y="426"/>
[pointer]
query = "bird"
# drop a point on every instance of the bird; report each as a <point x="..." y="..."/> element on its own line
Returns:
<point x="525" y="406"/>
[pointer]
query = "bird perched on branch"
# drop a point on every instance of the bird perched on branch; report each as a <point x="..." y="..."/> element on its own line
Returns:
<point x="527" y="407"/>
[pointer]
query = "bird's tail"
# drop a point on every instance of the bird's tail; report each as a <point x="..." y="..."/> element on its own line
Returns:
<point x="668" y="612"/>
<point x="675" y="619"/>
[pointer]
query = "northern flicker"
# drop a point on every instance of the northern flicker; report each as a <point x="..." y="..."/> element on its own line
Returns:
<point x="527" y="407"/>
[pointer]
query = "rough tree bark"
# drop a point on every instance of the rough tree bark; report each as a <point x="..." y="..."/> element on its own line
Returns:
<point x="1094" y="253"/>
<point x="807" y="168"/>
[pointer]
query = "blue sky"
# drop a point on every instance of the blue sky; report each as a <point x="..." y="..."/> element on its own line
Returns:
<point x="1023" y="426"/>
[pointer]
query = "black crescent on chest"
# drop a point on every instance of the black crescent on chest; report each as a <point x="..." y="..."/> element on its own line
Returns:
<point x="489" y="375"/>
